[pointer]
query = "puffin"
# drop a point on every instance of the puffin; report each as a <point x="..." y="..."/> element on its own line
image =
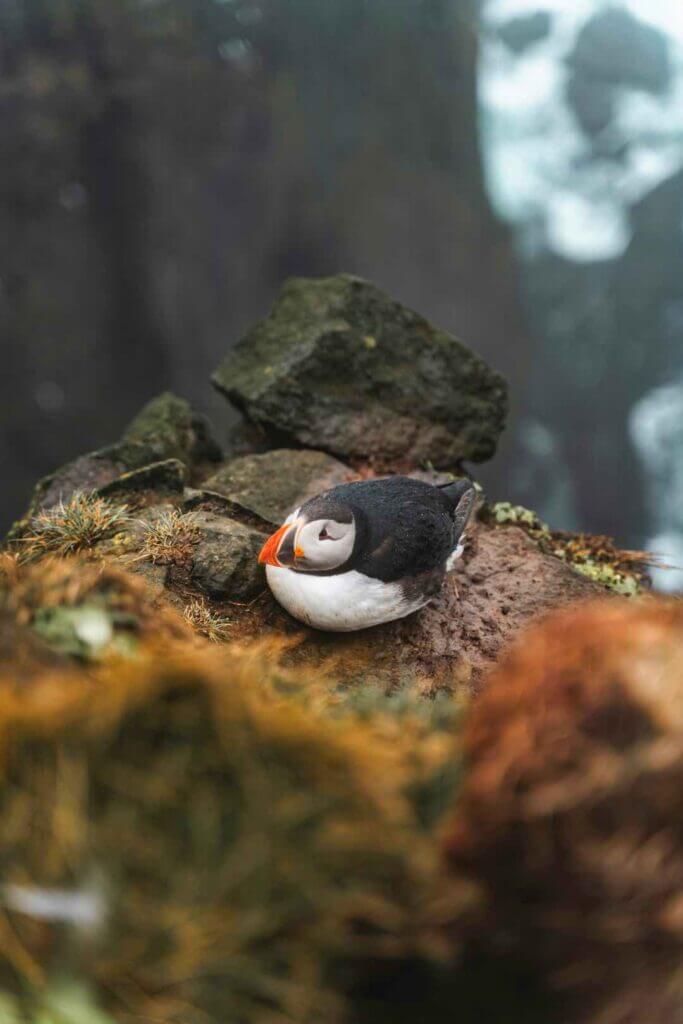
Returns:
<point x="367" y="552"/>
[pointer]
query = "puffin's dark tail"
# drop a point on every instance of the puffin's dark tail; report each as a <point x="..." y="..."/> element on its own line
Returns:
<point x="463" y="494"/>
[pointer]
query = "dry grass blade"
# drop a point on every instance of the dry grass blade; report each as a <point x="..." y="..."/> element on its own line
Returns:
<point x="169" y="539"/>
<point x="206" y="622"/>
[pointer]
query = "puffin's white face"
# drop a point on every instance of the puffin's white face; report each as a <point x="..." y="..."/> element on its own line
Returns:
<point x="316" y="546"/>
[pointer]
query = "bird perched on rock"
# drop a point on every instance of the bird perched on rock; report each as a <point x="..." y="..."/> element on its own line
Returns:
<point x="367" y="552"/>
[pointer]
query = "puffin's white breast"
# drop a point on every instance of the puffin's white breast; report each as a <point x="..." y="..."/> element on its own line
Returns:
<point x="342" y="602"/>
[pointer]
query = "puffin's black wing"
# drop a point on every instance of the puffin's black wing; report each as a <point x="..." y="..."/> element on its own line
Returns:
<point x="410" y="527"/>
<point x="419" y="541"/>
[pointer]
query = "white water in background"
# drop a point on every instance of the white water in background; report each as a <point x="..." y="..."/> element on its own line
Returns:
<point x="656" y="425"/>
<point x="536" y="158"/>
<point x="544" y="180"/>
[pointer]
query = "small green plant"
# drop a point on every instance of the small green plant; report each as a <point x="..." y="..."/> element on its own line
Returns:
<point x="73" y="527"/>
<point x="169" y="539"/>
<point x="206" y="622"/>
<point x="505" y="512"/>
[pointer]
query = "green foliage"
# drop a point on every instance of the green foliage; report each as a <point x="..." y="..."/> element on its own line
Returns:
<point x="65" y="1002"/>
<point x="504" y="512"/>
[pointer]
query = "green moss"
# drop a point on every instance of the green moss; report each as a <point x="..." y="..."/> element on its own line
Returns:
<point x="87" y="631"/>
<point x="167" y="428"/>
<point x="67" y="1002"/>
<point x="505" y="512"/>
<point x="607" y="576"/>
<point x="597" y="558"/>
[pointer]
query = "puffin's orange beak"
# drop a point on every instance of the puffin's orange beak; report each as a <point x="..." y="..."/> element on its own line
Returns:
<point x="268" y="555"/>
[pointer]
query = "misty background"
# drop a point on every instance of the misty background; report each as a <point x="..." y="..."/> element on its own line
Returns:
<point x="512" y="169"/>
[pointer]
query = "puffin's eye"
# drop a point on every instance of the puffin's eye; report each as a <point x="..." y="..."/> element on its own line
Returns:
<point x="324" y="535"/>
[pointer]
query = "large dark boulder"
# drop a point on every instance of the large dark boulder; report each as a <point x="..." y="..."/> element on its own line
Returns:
<point x="340" y="366"/>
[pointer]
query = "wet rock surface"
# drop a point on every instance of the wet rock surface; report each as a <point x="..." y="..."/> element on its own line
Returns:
<point x="340" y="366"/>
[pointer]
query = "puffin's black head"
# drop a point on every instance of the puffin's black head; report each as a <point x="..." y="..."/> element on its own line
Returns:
<point x="321" y="536"/>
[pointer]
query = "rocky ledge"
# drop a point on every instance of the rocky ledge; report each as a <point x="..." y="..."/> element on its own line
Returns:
<point x="211" y="814"/>
<point x="352" y="383"/>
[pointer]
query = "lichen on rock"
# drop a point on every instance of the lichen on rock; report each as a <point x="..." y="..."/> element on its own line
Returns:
<point x="597" y="558"/>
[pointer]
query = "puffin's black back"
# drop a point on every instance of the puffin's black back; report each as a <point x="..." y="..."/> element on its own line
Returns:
<point x="404" y="527"/>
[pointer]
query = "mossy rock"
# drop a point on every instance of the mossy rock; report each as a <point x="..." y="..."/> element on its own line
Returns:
<point x="167" y="428"/>
<point x="159" y="478"/>
<point x="340" y="366"/>
<point x="166" y="443"/>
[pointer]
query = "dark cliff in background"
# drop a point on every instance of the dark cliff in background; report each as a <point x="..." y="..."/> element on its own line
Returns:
<point x="166" y="167"/>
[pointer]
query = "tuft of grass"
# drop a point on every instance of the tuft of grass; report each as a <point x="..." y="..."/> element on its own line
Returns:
<point x="206" y="622"/>
<point x="170" y="538"/>
<point x="67" y="529"/>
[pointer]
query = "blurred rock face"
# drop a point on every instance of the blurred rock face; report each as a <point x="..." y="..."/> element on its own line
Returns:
<point x="571" y="813"/>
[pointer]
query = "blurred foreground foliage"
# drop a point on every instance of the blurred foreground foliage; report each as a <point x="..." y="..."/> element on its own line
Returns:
<point x="195" y="834"/>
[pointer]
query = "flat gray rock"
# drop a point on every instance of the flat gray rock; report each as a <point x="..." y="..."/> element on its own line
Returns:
<point x="340" y="366"/>
<point x="272" y="484"/>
